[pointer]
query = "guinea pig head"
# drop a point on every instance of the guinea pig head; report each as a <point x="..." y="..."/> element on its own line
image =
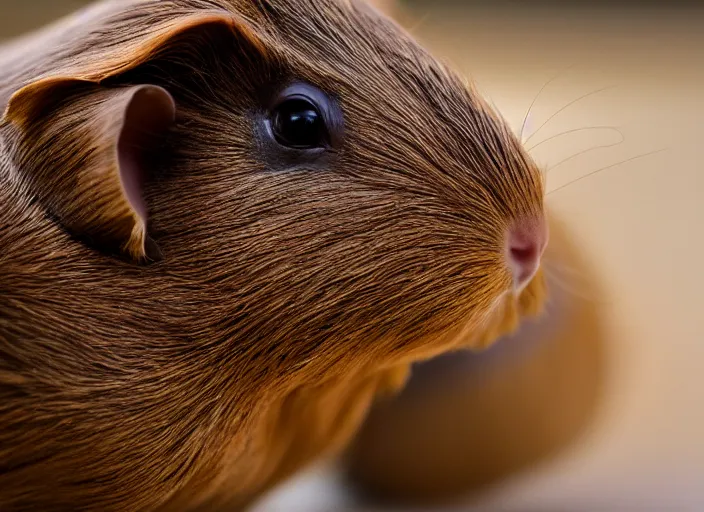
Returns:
<point x="283" y="192"/>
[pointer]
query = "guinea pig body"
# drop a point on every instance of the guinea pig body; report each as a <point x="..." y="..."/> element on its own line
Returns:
<point x="225" y="226"/>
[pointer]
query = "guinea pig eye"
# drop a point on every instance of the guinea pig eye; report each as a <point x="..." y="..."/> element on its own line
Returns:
<point x="301" y="125"/>
<point x="298" y="123"/>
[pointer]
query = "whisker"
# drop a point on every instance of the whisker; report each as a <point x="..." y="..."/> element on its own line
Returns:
<point x="419" y="23"/>
<point x="607" y="167"/>
<point x="571" y="289"/>
<point x="612" y="128"/>
<point x="571" y="279"/>
<point x="584" y="151"/>
<point x="532" y="104"/>
<point x="552" y="263"/>
<point x="564" y="108"/>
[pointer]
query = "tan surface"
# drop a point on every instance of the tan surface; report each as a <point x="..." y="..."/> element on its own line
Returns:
<point x="640" y="223"/>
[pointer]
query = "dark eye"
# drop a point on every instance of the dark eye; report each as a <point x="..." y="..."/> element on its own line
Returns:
<point x="297" y="122"/>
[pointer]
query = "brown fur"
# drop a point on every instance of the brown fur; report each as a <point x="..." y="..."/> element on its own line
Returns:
<point x="283" y="300"/>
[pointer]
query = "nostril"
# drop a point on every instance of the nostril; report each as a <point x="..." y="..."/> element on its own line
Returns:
<point x="526" y="242"/>
<point x="524" y="255"/>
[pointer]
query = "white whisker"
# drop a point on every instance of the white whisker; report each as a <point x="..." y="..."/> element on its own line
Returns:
<point x="565" y="108"/>
<point x="605" y="168"/>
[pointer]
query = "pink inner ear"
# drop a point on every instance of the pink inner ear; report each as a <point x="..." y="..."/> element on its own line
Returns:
<point x="150" y="112"/>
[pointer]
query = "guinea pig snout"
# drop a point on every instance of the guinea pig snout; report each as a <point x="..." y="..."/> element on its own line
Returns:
<point x="525" y="244"/>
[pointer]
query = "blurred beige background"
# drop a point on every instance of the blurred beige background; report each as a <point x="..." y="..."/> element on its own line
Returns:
<point x="640" y="222"/>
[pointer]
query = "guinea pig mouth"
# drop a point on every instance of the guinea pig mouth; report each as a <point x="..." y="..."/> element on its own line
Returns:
<point x="501" y="318"/>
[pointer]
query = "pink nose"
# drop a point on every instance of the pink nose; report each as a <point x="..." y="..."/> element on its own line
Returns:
<point x="526" y="242"/>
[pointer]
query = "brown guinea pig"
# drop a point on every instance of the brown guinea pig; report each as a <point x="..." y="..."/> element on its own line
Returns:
<point x="225" y="226"/>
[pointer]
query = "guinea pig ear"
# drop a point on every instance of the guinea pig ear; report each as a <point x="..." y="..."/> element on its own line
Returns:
<point x="85" y="143"/>
<point x="147" y="36"/>
<point x="87" y="158"/>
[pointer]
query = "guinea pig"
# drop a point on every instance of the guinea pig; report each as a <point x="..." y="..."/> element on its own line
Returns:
<point x="225" y="227"/>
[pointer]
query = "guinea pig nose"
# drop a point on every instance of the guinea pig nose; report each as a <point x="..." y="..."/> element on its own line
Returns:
<point x="527" y="239"/>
